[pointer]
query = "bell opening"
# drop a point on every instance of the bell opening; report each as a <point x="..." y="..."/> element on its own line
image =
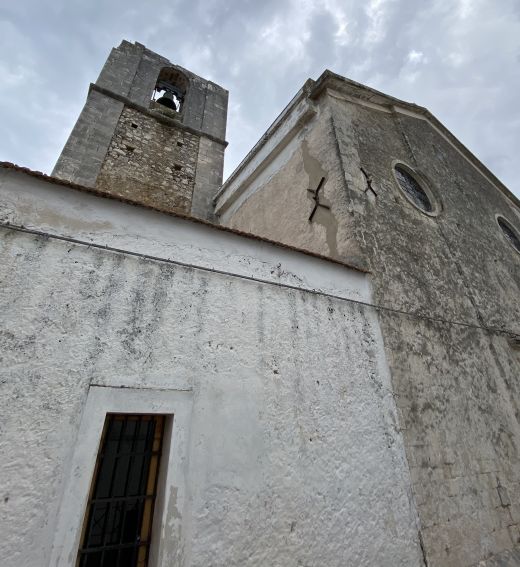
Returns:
<point x="170" y="89"/>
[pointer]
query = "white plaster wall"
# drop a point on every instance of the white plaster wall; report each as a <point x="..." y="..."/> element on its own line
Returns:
<point x="293" y="457"/>
<point x="35" y="204"/>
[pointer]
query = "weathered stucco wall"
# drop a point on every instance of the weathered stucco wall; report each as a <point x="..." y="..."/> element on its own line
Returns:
<point x="294" y="455"/>
<point x="278" y="203"/>
<point x="449" y="278"/>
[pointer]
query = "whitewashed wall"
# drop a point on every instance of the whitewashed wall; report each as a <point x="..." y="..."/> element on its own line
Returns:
<point x="284" y="446"/>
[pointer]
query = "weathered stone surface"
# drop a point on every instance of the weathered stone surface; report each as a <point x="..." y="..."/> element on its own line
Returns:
<point x="150" y="162"/>
<point x="209" y="176"/>
<point x="450" y="281"/>
<point x="83" y="155"/>
<point x="97" y="153"/>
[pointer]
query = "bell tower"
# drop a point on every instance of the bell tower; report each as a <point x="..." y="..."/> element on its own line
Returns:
<point x="151" y="132"/>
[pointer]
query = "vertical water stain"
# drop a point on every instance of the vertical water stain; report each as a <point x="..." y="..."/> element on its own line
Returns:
<point x="321" y="206"/>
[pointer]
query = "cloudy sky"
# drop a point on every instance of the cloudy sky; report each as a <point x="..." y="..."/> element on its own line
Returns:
<point x="459" y="58"/>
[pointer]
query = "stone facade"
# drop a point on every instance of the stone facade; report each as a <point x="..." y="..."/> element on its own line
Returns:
<point x="150" y="162"/>
<point x="99" y="150"/>
<point x="446" y="287"/>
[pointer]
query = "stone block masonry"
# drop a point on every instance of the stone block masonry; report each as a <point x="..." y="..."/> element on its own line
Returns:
<point x="150" y="162"/>
<point x="151" y="157"/>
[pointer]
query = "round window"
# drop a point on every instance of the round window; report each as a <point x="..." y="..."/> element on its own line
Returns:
<point x="510" y="233"/>
<point x="414" y="190"/>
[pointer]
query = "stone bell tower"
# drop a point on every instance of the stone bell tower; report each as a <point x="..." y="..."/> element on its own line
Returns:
<point x="151" y="132"/>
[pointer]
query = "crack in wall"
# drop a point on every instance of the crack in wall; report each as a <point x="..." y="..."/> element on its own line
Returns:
<point x="404" y="137"/>
<point x="423" y="551"/>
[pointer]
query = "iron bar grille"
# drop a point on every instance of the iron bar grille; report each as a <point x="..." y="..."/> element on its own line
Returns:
<point x="120" y="509"/>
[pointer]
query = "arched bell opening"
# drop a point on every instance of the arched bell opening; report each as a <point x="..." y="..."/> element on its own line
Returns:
<point x="170" y="89"/>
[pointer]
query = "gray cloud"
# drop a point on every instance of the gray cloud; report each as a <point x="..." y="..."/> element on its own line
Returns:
<point x="459" y="58"/>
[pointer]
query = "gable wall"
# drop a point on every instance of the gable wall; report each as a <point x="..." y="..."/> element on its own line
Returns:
<point x="452" y="277"/>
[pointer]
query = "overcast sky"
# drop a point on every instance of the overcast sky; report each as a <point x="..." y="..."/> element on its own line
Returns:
<point x="459" y="58"/>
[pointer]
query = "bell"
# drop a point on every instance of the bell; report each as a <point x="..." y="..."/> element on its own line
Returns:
<point x="167" y="100"/>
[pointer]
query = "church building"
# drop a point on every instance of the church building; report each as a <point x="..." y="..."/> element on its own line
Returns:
<point x="314" y="364"/>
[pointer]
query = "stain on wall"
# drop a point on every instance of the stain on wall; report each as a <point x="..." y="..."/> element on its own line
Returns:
<point x="321" y="212"/>
<point x="290" y="190"/>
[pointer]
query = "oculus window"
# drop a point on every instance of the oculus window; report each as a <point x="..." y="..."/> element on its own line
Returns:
<point x="510" y="234"/>
<point x="118" y="525"/>
<point x="415" y="191"/>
